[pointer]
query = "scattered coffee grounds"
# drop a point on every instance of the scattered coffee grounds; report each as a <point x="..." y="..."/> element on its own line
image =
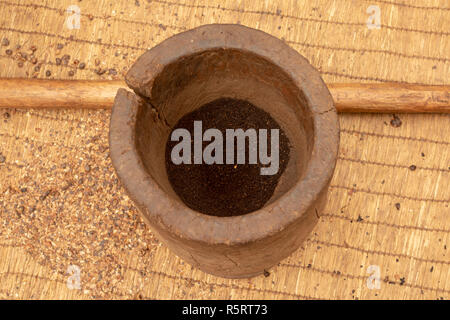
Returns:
<point x="226" y="189"/>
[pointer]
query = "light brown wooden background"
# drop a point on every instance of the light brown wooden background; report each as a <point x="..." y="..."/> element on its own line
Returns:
<point x="61" y="203"/>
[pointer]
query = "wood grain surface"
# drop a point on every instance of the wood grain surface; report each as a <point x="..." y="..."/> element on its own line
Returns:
<point x="61" y="204"/>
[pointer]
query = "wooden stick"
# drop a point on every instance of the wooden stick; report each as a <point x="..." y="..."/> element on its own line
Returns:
<point x="348" y="97"/>
<point x="75" y="94"/>
<point x="390" y="97"/>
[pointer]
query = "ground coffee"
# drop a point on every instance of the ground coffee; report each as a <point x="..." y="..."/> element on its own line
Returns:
<point x="226" y="189"/>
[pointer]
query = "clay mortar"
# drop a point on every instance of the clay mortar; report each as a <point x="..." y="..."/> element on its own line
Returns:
<point x="196" y="67"/>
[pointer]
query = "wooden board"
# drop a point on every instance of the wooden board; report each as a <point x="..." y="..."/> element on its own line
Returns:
<point x="61" y="204"/>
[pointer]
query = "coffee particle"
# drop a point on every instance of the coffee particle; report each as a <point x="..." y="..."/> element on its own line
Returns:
<point x="396" y="122"/>
<point x="65" y="59"/>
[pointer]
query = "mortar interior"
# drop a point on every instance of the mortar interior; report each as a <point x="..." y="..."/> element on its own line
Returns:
<point x="195" y="80"/>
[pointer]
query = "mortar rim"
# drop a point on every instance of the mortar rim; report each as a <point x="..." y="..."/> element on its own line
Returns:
<point x="177" y="218"/>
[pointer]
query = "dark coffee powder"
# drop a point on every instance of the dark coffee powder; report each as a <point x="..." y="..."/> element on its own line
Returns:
<point x="226" y="189"/>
